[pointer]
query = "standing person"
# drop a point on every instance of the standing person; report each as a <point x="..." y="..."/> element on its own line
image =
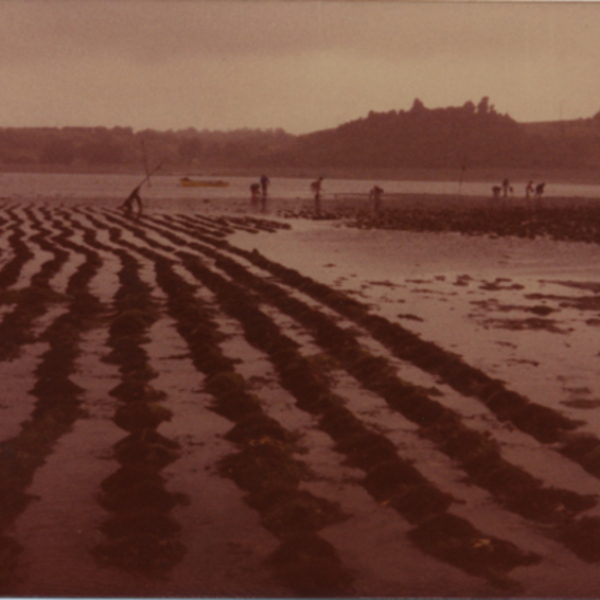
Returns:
<point x="375" y="197"/>
<point x="315" y="186"/>
<point x="506" y="187"/>
<point x="264" y="184"/>
<point x="128" y="203"/>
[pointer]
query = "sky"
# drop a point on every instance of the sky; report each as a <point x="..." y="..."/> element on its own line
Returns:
<point x="299" y="65"/>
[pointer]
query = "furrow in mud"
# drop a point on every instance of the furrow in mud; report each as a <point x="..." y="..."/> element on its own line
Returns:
<point x="547" y="426"/>
<point x="30" y="302"/>
<point x="56" y="409"/>
<point x="32" y="240"/>
<point x="169" y="252"/>
<point x="209" y="227"/>
<point x="77" y="253"/>
<point x="478" y="455"/>
<point x="389" y="478"/>
<point x="141" y="535"/>
<point x="265" y="466"/>
<point x="410" y="493"/>
<point x="543" y="424"/>
<point x="9" y="273"/>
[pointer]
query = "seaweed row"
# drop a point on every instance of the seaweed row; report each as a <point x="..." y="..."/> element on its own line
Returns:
<point x="264" y="467"/>
<point x="87" y="306"/>
<point x="10" y="271"/>
<point x="254" y="225"/>
<point x="141" y="535"/>
<point x="544" y="424"/>
<point x="579" y="223"/>
<point x="478" y="455"/>
<point x="55" y="411"/>
<point x="29" y="302"/>
<point x="209" y="227"/>
<point x="583" y="535"/>
<point x="389" y="479"/>
<point x="547" y="426"/>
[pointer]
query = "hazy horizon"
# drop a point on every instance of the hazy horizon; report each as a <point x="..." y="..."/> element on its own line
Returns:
<point x="296" y="66"/>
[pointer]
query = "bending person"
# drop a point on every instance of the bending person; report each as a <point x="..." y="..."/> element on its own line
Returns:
<point x="128" y="203"/>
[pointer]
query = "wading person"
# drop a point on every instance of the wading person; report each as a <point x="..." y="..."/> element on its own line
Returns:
<point x="127" y="205"/>
<point x="375" y="198"/>
<point x="315" y="186"/>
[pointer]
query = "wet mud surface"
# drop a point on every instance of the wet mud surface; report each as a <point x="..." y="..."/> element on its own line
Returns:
<point x="423" y="474"/>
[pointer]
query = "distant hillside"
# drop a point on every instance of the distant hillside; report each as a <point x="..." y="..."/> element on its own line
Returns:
<point x="474" y="136"/>
<point x="419" y="138"/>
<point x="470" y="136"/>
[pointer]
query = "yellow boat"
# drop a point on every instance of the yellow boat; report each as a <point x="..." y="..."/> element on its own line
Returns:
<point x="187" y="182"/>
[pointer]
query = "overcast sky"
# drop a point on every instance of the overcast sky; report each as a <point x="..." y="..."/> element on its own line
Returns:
<point x="298" y="65"/>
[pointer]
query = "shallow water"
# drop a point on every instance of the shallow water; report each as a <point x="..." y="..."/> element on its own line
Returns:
<point x="444" y="286"/>
<point x="67" y="187"/>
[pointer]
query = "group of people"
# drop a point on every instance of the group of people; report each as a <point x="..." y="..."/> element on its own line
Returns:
<point x="505" y="189"/>
<point x="258" y="194"/>
<point x="537" y="190"/>
<point x="258" y="191"/>
<point x="375" y="195"/>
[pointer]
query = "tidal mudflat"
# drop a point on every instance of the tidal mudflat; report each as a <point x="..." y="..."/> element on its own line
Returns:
<point x="207" y="401"/>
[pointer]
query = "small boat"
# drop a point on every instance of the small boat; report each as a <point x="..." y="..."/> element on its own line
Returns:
<point x="187" y="182"/>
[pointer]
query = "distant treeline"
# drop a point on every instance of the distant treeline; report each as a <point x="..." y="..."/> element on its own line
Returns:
<point x="455" y="137"/>
<point x="120" y="148"/>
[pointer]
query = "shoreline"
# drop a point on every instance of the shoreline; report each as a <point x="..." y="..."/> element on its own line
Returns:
<point x="350" y="200"/>
<point x="491" y="174"/>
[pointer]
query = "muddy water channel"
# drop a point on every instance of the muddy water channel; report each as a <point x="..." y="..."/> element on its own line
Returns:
<point x="223" y="405"/>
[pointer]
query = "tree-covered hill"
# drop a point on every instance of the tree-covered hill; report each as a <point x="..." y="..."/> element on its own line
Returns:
<point x="471" y="136"/>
